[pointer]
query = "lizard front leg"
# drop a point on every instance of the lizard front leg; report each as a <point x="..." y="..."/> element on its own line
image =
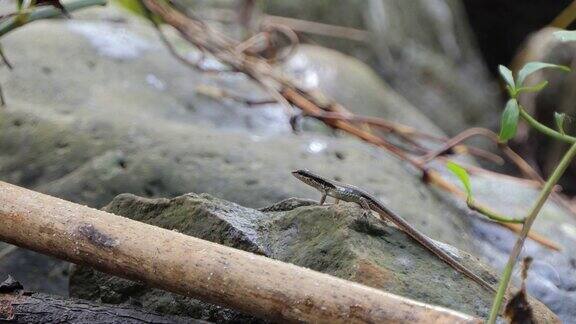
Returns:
<point x="367" y="211"/>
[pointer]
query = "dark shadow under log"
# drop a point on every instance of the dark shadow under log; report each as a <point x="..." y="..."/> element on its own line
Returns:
<point x="42" y="308"/>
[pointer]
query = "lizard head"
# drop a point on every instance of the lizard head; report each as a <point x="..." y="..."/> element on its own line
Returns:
<point x="312" y="179"/>
<point x="303" y="174"/>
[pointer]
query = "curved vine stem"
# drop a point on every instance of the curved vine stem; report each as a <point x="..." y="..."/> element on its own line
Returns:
<point x="490" y="213"/>
<point x="546" y="191"/>
<point x="545" y="129"/>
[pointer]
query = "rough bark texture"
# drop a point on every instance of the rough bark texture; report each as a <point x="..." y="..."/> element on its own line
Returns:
<point x="42" y="308"/>
<point x="197" y="268"/>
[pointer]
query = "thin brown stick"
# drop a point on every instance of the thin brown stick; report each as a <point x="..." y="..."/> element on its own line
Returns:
<point x="219" y="94"/>
<point x="473" y="169"/>
<point x="312" y="27"/>
<point x="195" y="65"/>
<point x="298" y="25"/>
<point x="290" y="35"/>
<point x="403" y="131"/>
<point x="520" y="163"/>
<point x="456" y="140"/>
<point x="406" y="133"/>
<point x="311" y="109"/>
<point x="200" y="269"/>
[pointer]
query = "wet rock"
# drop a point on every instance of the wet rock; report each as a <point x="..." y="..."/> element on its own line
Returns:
<point x="424" y="49"/>
<point x="109" y="59"/>
<point x="334" y="239"/>
<point x="354" y="84"/>
<point x="427" y="53"/>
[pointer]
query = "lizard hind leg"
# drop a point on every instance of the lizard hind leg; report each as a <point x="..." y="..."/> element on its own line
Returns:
<point x="323" y="198"/>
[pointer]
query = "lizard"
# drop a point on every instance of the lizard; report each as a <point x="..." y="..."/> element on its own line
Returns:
<point x="350" y="193"/>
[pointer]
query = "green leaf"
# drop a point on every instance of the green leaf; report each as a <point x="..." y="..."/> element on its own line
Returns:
<point x="534" y="88"/>
<point x="462" y="175"/>
<point x="135" y="7"/>
<point x="559" y="119"/>
<point x="509" y="121"/>
<point x="532" y="67"/>
<point x="508" y="77"/>
<point x="566" y="35"/>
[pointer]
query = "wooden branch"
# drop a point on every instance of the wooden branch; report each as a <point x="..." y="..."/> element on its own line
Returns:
<point x="200" y="269"/>
<point x="42" y="308"/>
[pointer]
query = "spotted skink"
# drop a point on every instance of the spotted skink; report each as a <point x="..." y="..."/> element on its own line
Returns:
<point x="349" y="193"/>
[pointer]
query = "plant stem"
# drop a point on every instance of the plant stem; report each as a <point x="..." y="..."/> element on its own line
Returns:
<point x="545" y="129"/>
<point x="491" y="214"/>
<point x="506" y="274"/>
<point x="45" y="12"/>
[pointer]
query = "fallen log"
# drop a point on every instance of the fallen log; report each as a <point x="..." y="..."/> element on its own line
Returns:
<point x="42" y="308"/>
<point x="200" y="269"/>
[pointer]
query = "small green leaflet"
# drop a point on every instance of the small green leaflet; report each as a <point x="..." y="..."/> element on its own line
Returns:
<point x="509" y="121"/>
<point x="559" y="120"/>
<point x="507" y="76"/>
<point x="534" y="88"/>
<point x="462" y="175"/>
<point x="566" y="35"/>
<point x="532" y="67"/>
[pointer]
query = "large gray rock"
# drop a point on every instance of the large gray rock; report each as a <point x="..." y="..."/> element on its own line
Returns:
<point x="423" y="48"/>
<point x="336" y="239"/>
<point x="354" y="85"/>
<point x="427" y="53"/>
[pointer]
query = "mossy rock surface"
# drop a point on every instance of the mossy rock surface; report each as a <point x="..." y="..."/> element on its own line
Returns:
<point x="338" y="239"/>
